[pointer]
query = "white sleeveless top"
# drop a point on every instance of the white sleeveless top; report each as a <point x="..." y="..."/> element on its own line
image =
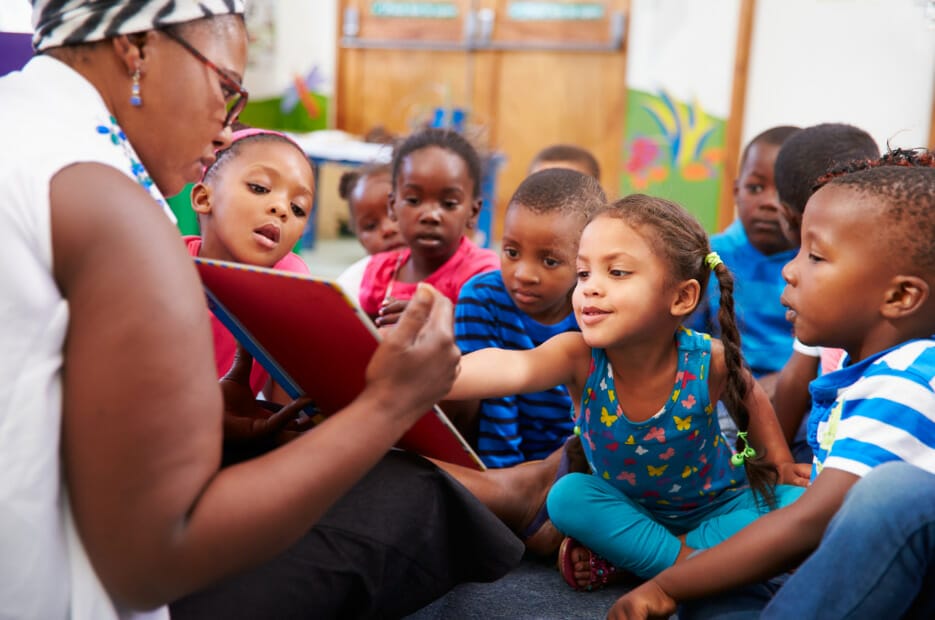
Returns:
<point x="50" y="117"/>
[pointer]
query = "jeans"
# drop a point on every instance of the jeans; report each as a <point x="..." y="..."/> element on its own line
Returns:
<point x="874" y="561"/>
<point x="876" y="557"/>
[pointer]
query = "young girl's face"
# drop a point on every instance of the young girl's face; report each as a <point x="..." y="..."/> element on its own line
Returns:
<point x="758" y="202"/>
<point x="255" y="207"/>
<point x="369" y="203"/>
<point x="623" y="289"/>
<point x="433" y="201"/>
<point x="538" y="261"/>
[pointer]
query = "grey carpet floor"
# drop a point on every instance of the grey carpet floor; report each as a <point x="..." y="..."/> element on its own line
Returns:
<point x="532" y="591"/>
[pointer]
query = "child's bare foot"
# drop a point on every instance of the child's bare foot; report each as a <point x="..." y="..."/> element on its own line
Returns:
<point x="536" y="529"/>
<point x="517" y="494"/>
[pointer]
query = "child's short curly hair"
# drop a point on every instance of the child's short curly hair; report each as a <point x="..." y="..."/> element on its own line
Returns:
<point x="902" y="186"/>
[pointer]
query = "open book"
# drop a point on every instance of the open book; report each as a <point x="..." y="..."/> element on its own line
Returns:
<point x="313" y="340"/>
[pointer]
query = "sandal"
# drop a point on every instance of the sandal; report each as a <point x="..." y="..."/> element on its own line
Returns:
<point x="602" y="571"/>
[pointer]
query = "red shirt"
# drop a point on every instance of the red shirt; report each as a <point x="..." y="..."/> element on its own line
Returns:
<point x="467" y="261"/>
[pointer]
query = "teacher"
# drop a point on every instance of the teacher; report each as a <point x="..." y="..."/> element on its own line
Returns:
<point x="112" y="499"/>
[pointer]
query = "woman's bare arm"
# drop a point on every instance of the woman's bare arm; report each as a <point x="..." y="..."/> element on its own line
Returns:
<point x="142" y="407"/>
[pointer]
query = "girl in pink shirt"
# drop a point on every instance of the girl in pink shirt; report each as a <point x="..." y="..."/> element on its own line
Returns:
<point x="435" y="195"/>
<point x="253" y="203"/>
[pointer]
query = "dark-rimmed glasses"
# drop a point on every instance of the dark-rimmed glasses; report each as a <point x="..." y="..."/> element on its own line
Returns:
<point x="234" y="94"/>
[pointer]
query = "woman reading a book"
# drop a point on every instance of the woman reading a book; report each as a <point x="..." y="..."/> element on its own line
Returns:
<point x="112" y="500"/>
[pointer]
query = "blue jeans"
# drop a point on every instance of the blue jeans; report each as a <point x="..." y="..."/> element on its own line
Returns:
<point x="875" y="560"/>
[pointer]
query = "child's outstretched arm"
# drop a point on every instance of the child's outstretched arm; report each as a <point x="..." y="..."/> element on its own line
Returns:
<point x="770" y="545"/>
<point x="493" y="373"/>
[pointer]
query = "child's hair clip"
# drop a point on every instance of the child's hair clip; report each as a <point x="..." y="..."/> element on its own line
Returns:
<point x="712" y="260"/>
<point x="747" y="453"/>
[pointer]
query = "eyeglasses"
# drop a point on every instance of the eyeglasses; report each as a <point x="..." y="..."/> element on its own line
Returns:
<point x="234" y="94"/>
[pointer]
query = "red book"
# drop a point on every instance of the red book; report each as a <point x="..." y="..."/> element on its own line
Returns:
<point x="313" y="340"/>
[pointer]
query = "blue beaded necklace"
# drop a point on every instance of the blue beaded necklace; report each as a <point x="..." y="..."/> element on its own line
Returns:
<point x="119" y="138"/>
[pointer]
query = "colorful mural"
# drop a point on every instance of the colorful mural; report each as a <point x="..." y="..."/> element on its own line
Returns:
<point x="675" y="150"/>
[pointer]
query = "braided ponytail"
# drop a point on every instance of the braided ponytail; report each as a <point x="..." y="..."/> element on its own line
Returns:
<point x="762" y="477"/>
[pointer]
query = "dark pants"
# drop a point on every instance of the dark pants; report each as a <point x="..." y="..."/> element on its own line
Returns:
<point x="402" y="537"/>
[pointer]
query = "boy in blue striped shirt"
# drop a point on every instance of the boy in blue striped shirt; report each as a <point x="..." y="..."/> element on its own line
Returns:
<point x="863" y="281"/>
<point x="524" y="304"/>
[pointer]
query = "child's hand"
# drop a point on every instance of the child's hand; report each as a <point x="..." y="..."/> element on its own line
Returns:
<point x="244" y="419"/>
<point x="646" y="601"/>
<point x="244" y="428"/>
<point x="416" y="364"/>
<point x="798" y="474"/>
<point x="390" y="311"/>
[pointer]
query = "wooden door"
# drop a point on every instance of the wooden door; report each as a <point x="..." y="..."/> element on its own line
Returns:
<point x="530" y="74"/>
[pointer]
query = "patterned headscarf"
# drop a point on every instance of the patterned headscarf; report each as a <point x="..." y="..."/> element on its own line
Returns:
<point x="66" y="22"/>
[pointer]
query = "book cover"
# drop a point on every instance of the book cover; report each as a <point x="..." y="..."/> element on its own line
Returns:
<point x="314" y="340"/>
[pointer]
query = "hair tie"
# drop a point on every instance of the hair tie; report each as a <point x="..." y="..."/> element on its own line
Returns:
<point x="747" y="453"/>
<point x="712" y="260"/>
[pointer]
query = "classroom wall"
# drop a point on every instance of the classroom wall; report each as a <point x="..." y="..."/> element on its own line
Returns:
<point x="870" y="63"/>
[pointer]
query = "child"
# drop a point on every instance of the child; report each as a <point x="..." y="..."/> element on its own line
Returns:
<point x="755" y="249"/>
<point x="435" y="192"/>
<point x="524" y="304"/>
<point x="867" y="239"/>
<point x="801" y="161"/>
<point x="367" y="194"/>
<point x="568" y="156"/>
<point x="664" y="481"/>
<point x="253" y="203"/>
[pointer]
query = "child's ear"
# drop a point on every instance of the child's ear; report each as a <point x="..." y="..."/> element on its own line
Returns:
<point x="905" y="296"/>
<point x="687" y="296"/>
<point x="201" y="199"/>
<point x="390" y="211"/>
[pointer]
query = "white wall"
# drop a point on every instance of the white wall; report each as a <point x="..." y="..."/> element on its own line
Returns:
<point x="870" y="63"/>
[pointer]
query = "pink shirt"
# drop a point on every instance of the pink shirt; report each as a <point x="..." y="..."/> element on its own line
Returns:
<point x="225" y="346"/>
<point x="467" y="261"/>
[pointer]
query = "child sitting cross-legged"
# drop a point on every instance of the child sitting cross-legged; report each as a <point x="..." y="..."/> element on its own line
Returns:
<point x="862" y="281"/>
<point x="664" y="481"/>
<point x="253" y="203"/>
<point x="524" y="304"/>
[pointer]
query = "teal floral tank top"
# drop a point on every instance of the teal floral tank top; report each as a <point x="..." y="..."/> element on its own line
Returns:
<point x="676" y="463"/>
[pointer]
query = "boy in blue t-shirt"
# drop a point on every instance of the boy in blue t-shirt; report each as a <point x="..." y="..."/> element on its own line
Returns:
<point x="755" y="249"/>
<point x="524" y="304"/>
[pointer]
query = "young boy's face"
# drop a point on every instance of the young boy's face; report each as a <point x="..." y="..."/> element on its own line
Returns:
<point x="256" y="206"/>
<point x="538" y="261"/>
<point x="836" y="284"/>
<point x="757" y="200"/>
<point x="370" y="217"/>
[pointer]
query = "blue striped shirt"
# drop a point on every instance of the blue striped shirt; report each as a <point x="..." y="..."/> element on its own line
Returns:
<point x="878" y="410"/>
<point x="526" y="426"/>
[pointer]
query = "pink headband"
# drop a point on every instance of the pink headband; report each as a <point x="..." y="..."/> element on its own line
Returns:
<point x="240" y="134"/>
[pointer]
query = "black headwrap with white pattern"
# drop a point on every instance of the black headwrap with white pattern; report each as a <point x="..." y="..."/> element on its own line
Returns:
<point x="67" y="22"/>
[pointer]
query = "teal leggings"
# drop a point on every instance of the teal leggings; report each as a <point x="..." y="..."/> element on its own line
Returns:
<point x="604" y="519"/>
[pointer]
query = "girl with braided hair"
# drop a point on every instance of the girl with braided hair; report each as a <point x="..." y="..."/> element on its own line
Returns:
<point x="663" y="480"/>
